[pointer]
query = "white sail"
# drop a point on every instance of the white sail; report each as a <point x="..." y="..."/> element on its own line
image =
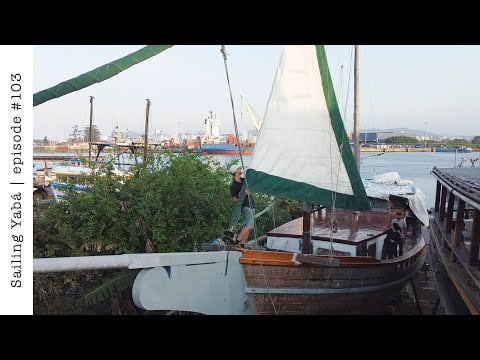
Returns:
<point x="299" y="147"/>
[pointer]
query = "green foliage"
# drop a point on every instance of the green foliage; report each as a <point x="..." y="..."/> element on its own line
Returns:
<point x="284" y="210"/>
<point x="476" y="140"/>
<point x="171" y="203"/>
<point x="458" y="141"/>
<point x="401" y="140"/>
<point x="118" y="282"/>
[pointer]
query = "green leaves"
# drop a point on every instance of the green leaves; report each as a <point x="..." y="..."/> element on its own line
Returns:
<point x="110" y="286"/>
<point x="173" y="202"/>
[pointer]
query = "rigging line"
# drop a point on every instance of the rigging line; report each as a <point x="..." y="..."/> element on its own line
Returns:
<point x="268" y="290"/>
<point x="333" y="220"/>
<point x="240" y="151"/>
<point x="345" y="107"/>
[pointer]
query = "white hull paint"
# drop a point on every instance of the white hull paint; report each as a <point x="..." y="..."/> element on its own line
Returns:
<point x="214" y="287"/>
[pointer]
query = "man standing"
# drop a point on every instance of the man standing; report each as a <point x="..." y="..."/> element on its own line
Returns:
<point x="247" y="211"/>
<point x="400" y="221"/>
<point x="391" y="241"/>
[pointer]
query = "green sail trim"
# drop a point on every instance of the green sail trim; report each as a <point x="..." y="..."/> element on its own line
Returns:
<point x="339" y="131"/>
<point x="277" y="186"/>
<point x="99" y="74"/>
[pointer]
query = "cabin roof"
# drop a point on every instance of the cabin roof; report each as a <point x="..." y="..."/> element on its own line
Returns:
<point x="353" y="227"/>
<point x="467" y="180"/>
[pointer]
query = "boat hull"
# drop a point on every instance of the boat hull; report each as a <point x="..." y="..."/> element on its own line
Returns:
<point x="227" y="152"/>
<point x="311" y="289"/>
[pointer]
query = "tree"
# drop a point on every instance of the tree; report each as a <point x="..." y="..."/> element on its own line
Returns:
<point x="401" y="140"/>
<point x="86" y="133"/>
<point x="476" y="140"/>
<point x="170" y="203"/>
<point x="46" y="141"/>
<point x="75" y="136"/>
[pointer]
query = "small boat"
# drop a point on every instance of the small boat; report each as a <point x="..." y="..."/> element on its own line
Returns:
<point x="226" y="149"/>
<point x="460" y="149"/>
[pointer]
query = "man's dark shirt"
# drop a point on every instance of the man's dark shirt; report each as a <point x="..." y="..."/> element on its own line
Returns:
<point x="393" y="235"/>
<point x="235" y="188"/>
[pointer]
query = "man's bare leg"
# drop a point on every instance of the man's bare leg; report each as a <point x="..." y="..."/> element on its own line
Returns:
<point x="243" y="236"/>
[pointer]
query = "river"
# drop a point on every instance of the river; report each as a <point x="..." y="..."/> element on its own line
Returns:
<point x="414" y="166"/>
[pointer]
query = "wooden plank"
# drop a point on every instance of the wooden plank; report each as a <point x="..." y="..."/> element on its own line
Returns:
<point x="317" y="273"/>
<point x="442" y="203"/>
<point x="475" y="242"/>
<point x="308" y="304"/>
<point x="458" y="228"/>
<point x="460" y="254"/>
<point x="451" y="205"/>
<point x="472" y="307"/>
<point x="437" y="196"/>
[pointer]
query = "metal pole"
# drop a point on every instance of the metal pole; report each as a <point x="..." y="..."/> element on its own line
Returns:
<point x="90" y="132"/>
<point x="145" y="144"/>
<point x="306" y="242"/>
<point x="426" y="134"/>
<point x="356" y="119"/>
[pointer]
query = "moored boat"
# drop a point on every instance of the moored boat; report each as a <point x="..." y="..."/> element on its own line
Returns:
<point x="455" y="237"/>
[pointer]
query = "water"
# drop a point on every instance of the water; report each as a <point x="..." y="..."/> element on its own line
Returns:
<point x="414" y="166"/>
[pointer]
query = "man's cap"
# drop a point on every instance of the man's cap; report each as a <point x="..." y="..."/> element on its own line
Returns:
<point x="234" y="168"/>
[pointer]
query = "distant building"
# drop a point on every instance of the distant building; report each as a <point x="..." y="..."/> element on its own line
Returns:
<point x="380" y="137"/>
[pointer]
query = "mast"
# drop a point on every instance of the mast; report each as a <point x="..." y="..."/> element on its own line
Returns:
<point x="356" y="119"/>
<point x="306" y="242"/>
<point x="145" y="143"/>
<point x="90" y="132"/>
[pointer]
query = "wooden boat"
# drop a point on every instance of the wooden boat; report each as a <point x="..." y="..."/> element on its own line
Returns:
<point x="328" y="261"/>
<point x="291" y="283"/>
<point x="455" y="237"/>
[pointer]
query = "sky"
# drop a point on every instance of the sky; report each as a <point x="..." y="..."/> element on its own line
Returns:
<point x="400" y="86"/>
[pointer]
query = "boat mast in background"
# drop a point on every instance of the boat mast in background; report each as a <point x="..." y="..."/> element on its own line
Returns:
<point x="356" y="118"/>
<point x="145" y="143"/>
<point x="90" y="132"/>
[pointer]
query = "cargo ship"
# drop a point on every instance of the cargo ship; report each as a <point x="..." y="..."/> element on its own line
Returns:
<point x="226" y="149"/>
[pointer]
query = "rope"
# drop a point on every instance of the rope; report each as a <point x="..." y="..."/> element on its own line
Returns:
<point x="268" y="289"/>
<point x="240" y="150"/>
<point x="333" y="217"/>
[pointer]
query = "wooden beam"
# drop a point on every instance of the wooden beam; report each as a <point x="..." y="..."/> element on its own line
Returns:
<point x="474" y="245"/>
<point x="451" y="205"/>
<point x="442" y="203"/>
<point x="306" y="242"/>
<point x="458" y="227"/>
<point x="437" y="196"/>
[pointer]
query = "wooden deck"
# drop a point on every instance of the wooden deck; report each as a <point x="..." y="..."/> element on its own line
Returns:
<point x="455" y="231"/>
<point x="353" y="227"/>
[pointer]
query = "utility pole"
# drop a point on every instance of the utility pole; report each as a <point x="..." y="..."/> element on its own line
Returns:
<point x="145" y="144"/>
<point x="356" y="119"/>
<point x="90" y="132"/>
<point x="426" y="134"/>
